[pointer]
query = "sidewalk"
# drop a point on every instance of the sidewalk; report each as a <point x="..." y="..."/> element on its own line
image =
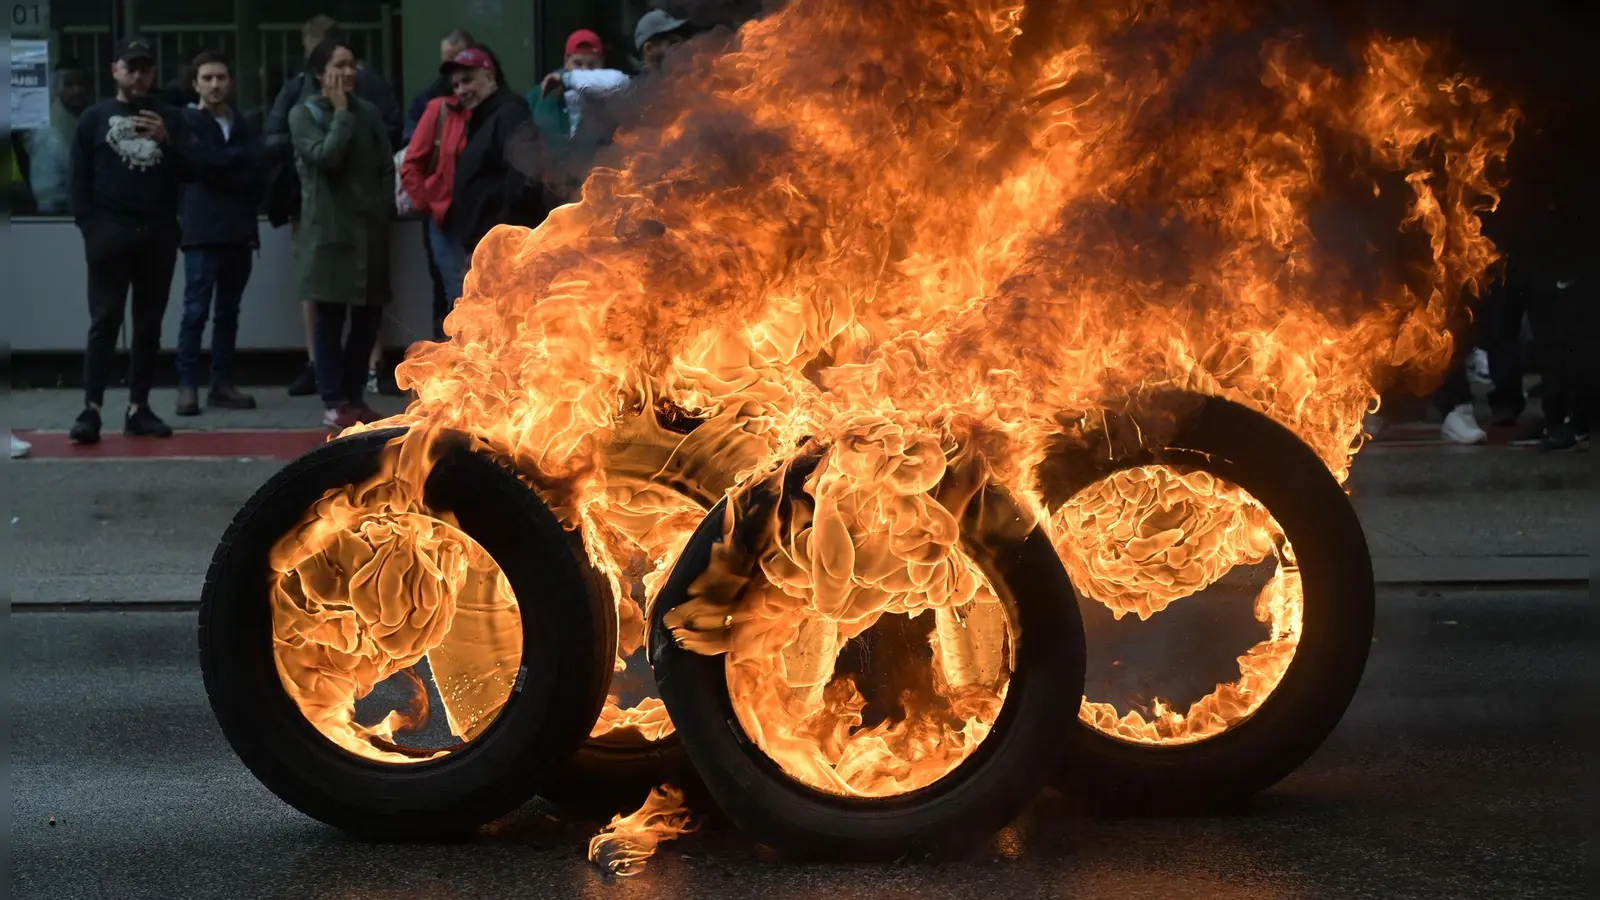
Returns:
<point x="107" y="526"/>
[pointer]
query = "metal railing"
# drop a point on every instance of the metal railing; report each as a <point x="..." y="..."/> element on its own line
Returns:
<point x="175" y="45"/>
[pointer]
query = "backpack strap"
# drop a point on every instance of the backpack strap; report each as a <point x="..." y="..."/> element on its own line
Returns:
<point x="316" y="111"/>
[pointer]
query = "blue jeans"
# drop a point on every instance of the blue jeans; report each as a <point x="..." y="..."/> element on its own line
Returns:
<point x="208" y="272"/>
<point x="451" y="259"/>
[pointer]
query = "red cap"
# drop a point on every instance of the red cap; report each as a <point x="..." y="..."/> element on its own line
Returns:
<point x="470" y="58"/>
<point x="584" y="40"/>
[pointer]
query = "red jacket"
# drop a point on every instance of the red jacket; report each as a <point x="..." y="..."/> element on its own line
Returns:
<point x="428" y="180"/>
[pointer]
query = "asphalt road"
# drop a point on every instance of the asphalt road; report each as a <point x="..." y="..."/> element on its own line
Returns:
<point x="1459" y="772"/>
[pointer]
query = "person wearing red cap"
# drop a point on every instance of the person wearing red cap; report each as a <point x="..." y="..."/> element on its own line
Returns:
<point x="559" y="107"/>
<point x="493" y="182"/>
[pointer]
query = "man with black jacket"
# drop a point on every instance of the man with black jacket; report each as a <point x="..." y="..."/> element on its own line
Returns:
<point x="128" y="155"/>
<point x="494" y="181"/>
<point x="218" y="217"/>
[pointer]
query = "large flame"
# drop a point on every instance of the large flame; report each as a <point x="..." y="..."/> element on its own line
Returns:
<point x="937" y="229"/>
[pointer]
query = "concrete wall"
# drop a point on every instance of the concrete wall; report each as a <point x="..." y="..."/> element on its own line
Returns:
<point x="47" y="308"/>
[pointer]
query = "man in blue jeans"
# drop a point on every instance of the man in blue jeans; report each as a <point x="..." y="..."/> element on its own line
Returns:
<point x="218" y="217"/>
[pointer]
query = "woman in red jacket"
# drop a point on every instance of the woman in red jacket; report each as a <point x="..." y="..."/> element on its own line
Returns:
<point x="427" y="174"/>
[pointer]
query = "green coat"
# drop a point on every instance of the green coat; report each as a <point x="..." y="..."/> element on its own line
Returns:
<point x="347" y="202"/>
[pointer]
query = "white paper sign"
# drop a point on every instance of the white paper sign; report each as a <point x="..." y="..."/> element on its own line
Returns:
<point x="30" y="84"/>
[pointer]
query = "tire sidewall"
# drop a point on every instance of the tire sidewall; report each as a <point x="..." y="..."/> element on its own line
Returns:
<point x="559" y="688"/>
<point x="1274" y="466"/>
<point x="981" y="795"/>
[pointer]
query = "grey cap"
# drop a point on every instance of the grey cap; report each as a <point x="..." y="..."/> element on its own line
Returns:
<point x="654" y="23"/>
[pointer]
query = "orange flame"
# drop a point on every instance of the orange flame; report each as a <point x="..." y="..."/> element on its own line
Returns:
<point x="921" y="232"/>
<point x="622" y="847"/>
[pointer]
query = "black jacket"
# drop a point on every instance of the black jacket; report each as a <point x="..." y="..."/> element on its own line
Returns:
<point x="219" y="206"/>
<point x="496" y="179"/>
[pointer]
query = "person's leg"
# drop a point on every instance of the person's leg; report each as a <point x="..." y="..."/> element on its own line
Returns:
<point x="441" y="300"/>
<point x="152" y="284"/>
<point x="328" y="353"/>
<point x="110" y="270"/>
<point x="1503" y="332"/>
<point x="451" y="261"/>
<point x="233" y="273"/>
<point x="365" y="322"/>
<point x="109" y="277"/>
<point x="199" y="283"/>
<point x="1454" y="400"/>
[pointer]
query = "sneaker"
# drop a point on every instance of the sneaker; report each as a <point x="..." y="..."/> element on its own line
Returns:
<point x="366" y="413"/>
<point x="86" y="428"/>
<point x="20" y="448"/>
<point x="142" y="422"/>
<point x="1461" y="427"/>
<point x="304" y="384"/>
<point x="1560" y="437"/>
<point x="1530" y="435"/>
<point x="372" y="381"/>
<point x="342" y="416"/>
<point x="227" y="396"/>
<point x="188" y="402"/>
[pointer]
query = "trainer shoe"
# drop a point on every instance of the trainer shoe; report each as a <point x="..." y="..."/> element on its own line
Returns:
<point x="1530" y="435"/>
<point x="20" y="448"/>
<point x="304" y="384"/>
<point x="1563" y="437"/>
<point x="226" y="396"/>
<point x="1461" y="427"/>
<point x="86" y="428"/>
<point x="142" y="422"/>
<point x="188" y="402"/>
<point x="342" y="416"/>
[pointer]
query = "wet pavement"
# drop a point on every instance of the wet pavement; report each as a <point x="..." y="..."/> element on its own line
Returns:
<point x="1459" y="772"/>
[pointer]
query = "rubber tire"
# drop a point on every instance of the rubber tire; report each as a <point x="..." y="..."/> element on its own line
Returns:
<point x="980" y="796"/>
<point x="1286" y="476"/>
<point x="566" y="666"/>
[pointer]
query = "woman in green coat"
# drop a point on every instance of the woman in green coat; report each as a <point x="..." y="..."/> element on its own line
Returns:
<point x="347" y="201"/>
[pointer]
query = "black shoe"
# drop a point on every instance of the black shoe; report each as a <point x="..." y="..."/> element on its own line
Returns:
<point x="142" y="422"/>
<point x="229" y="397"/>
<point x="1559" y="437"/>
<point x="1530" y="435"/>
<point x="188" y="402"/>
<point x="86" y="429"/>
<point x="305" y="384"/>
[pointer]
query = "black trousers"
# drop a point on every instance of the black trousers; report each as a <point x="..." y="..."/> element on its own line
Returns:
<point x="340" y="360"/>
<point x="1566" y="352"/>
<point x="124" y="257"/>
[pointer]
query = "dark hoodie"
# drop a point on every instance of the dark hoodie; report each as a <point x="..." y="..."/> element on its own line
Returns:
<point x="494" y="184"/>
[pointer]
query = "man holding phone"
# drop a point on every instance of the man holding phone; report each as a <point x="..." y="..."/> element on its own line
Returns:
<point x="128" y="155"/>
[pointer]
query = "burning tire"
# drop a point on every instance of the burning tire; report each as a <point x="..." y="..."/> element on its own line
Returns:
<point x="1256" y="733"/>
<point x="981" y="792"/>
<point x="513" y="744"/>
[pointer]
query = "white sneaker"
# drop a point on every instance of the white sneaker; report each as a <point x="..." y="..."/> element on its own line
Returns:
<point x="19" y="447"/>
<point x="1478" y="367"/>
<point x="1461" y="427"/>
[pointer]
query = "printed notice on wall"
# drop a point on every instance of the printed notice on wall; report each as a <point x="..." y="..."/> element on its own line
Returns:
<point x="30" y="84"/>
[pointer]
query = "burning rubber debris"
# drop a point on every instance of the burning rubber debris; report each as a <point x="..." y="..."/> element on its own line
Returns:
<point x="892" y="286"/>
